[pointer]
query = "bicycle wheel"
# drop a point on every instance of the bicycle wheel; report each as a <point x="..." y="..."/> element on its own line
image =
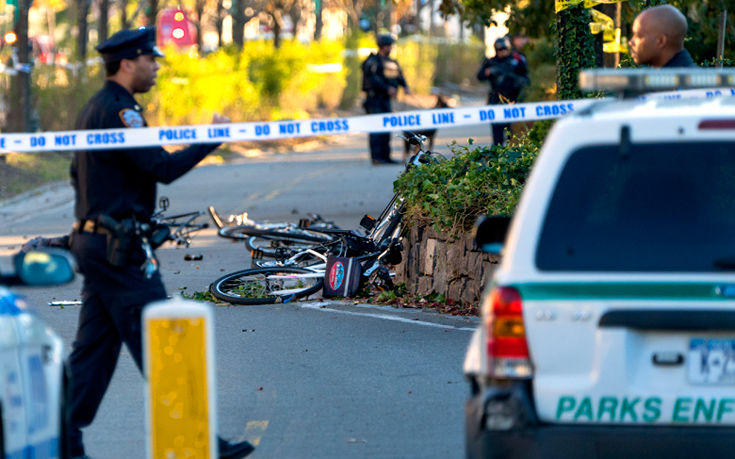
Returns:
<point x="285" y="232"/>
<point x="247" y="230"/>
<point x="267" y="285"/>
<point x="282" y="249"/>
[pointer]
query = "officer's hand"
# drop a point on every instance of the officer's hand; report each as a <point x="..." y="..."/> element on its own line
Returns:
<point x="392" y="91"/>
<point x="407" y="91"/>
<point x="488" y="71"/>
<point x="219" y="119"/>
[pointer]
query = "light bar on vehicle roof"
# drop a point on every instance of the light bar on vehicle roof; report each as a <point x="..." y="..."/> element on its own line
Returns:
<point x="643" y="80"/>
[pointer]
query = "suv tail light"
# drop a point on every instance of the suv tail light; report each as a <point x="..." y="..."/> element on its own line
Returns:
<point x="507" y="348"/>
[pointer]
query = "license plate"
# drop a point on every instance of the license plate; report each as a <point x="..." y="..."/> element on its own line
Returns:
<point x="711" y="361"/>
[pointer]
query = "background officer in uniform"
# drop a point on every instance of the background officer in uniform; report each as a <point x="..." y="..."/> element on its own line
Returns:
<point x="381" y="77"/>
<point x="507" y="75"/>
<point x="121" y="185"/>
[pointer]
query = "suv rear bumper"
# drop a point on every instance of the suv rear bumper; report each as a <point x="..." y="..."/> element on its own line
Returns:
<point x="532" y="439"/>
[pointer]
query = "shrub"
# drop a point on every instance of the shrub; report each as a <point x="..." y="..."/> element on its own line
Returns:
<point x="190" y="89"/>
<point x="450" y="195"/>
<point x="258" y="82"/>
<point x="459" y="62"/>
<point x="59" y="94"/>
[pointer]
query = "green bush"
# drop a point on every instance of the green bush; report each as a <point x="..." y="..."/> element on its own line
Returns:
<point x="189" y="90"/>
<point x="418" y="61"/>
<point x="59" y="94"/>
<point x="459" y="62"/>
<point x="450" y="195"/>
<point x="257" y="82"/>
<point x="353" y="74"/>
<point x="541" y="71"/>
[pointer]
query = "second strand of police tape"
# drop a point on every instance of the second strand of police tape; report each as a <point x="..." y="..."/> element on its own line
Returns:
<point x="113" y="139"/>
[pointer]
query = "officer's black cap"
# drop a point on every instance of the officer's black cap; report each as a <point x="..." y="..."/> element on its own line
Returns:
<point x="129" y="44"/>
<point x="385" y="39"/>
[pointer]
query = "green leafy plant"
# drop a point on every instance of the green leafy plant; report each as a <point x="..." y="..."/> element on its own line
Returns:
<point x="450" y="195"/>
<point x="201" y="296"/>
<point x="575" y="49"/>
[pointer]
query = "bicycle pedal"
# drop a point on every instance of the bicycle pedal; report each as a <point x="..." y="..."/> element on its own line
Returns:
<point x="304" y="223"/>
<point x="256" y="254"/>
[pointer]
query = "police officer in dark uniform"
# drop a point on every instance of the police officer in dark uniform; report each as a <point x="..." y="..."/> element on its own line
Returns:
<point x="381" y="77"/>
<point x="507" y="75"/>
<point x="115" y="197"/>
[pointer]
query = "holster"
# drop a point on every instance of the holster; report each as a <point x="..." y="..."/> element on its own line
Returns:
<point x="122" y="239"/>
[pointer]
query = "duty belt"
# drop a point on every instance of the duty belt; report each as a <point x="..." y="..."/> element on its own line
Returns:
<point x="89" y="226"/>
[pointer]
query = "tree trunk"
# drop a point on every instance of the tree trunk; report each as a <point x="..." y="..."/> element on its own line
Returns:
<point x="20" y="93"/>
<point x="277" y="26"/>
<point x="238" y="23"/>
<point x="83" y="28"/>
<point x="124" y="14"/>
<point x="431" y="17"/>
<point x="199" y="7"/>
<point x="319" y="24"/>
<point x="295" y="13"/>
<point x="103" y="26"/>
<point x="219" y="22"/>
<point x="152" y="12"/>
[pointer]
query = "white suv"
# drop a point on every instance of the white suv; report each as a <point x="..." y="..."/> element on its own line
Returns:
<point x="609" y="327"/>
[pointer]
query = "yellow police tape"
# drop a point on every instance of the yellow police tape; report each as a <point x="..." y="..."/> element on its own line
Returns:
<point x="602" y="23"/>
<point x="560" y="5"/>
<point x="617" y="45"/>
<point x="178" y="388"/>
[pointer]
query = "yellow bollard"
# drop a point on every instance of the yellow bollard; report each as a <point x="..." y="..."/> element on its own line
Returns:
<point x="178" y="354"/>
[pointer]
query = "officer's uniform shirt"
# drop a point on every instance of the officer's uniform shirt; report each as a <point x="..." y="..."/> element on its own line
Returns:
<point x="122" y="183"/>
<point x="681" y="59"/>
<point x="507" y="77"/>
<point x="381" y="73"/>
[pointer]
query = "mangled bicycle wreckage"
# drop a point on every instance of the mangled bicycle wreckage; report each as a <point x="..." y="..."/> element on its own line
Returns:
<point x="295" y="260"/>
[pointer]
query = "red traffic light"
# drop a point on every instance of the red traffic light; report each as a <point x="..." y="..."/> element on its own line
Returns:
<point x="175" y="28"/>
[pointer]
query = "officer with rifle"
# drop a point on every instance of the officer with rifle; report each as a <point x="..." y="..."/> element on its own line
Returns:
<point x="507" y="75"/>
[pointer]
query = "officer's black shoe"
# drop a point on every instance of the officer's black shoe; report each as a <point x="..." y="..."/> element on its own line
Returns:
<point x="229" y="450"/>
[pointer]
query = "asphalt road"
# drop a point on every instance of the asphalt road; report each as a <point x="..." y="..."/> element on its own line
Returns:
<point x="313" y="379"/>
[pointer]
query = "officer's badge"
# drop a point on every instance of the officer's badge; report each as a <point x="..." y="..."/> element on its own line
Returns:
<point x="131" y="118"/>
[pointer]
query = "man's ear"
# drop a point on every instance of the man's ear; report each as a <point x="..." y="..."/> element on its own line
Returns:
<point x="126" y="65"/>
<point x="662" y="40"/>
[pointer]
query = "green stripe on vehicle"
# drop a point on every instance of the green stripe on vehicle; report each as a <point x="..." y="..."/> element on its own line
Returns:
<point x="704" y="291"/>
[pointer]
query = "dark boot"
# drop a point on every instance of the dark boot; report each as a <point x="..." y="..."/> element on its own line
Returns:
<point x="229" y="450"/>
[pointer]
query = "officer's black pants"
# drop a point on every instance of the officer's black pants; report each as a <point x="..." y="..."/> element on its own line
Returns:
<point x="499" y="132"/>
<point x="113" y="299"/>
<point x="380" y="141"/>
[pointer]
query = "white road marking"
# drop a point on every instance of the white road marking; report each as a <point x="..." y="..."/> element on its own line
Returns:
<point x="320" y="306"/>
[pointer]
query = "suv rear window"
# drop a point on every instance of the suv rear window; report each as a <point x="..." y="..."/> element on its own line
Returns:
<point x="660" y="207"/>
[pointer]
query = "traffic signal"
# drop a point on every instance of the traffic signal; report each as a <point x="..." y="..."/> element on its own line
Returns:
<point x="178" y="31"/>
<point x="175" y="28"/>
<point x="10" y="38"/>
